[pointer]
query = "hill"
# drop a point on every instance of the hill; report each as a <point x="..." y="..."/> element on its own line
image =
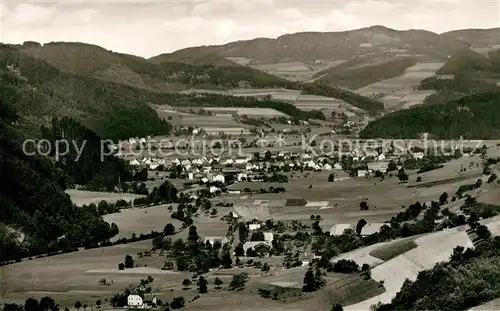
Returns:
<point x="355" y="78"/>
<point x="312" y="46"/>
<point x="33" y="202"/>
<point x="474" y="117"/>
<point x="470" y="72"/>
<point x="163" y="73"/>
<point x="39" y="90"/>
<point x="194" y="58"/>
<point x="479" y="37"/>
<point x="169" y="73"/>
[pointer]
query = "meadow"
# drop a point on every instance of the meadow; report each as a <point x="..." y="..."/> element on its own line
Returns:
<point x="400" y="92"/>
<point x="81" y="197"/>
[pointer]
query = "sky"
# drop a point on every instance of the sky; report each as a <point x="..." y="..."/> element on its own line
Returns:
<point x="148" y="28"/>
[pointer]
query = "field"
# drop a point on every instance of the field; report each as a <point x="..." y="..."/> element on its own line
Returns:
<point x="213" y="124"/>
<point x="400" y="92"/>
<point x="251" y="112"/>
<point x="145" y="220"/>
<point x="80" y="197"/>
<point x="297" y="71"/>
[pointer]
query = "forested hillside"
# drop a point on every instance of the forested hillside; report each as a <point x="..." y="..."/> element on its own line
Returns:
<point x="472" y="73"/>
<point x="38" y="90"/>
<point x="36" y="215"/>
<point x="474" y="116"/>
<point x="168" y="73"/>
<point x="89" y="168"/>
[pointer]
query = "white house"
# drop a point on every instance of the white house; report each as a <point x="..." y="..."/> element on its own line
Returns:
<point x="135" y="301"/>
<point x="327" y="167"/>
<point x="241" y="161"/>
<point x="337" y="166"/>
<point x="190" y="176"/>
<point x="213" y="189"/>
<point x="362" y="173"/>
<point x="268" y="236"/>
<point x="253" y="227"/>
<point x="418" y="155"/>
<point x="242" y="176"/>
<point x="134" y="162"/>
<point x="381" y="157"/>
<point x="219" y="178"/>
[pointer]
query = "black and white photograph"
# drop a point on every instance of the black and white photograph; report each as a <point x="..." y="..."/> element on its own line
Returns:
<point x="250" y="155"/>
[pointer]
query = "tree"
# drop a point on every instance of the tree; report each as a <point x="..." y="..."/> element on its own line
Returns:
<point x="309" y="281"/>
<point x="239" y="250"/>
<point x="359" y="227"/>
<point x="242" y="232"/>
<point x="419" y="178"/>
<point x="403" y="177"/>
<point x="202" y="285"/>
<point x="78" y="305"/>
<point x="363" y="206"/>
<point x="443" y="198"/>
<point x="84" y="306"/>
<point x="186" y="283"/>
<point x="129" y="262"/>
<point x="479" y="183"/>
<point x="337" y="307"/>
<point x="169" y="229"/>
<point x="218" y="282"/>
<point x="31" y="304"/>
<point x="238" y="281"/>
<point x="268" y="155"/>
<point x="193" y="236"/>
<point x="121" y="266"/>
<point x="177" y="303"/>
<point x="483" y="232"/>
<point x="331" y="177"/>
<point x="265" y="267"/>
<point x="98" y="303"/>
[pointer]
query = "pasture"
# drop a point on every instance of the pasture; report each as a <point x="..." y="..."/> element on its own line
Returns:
<point x="251" y="112"/>
<point x="81" y="197"/>
<point x="400" y="92"/>
<point x="154" y="218"/>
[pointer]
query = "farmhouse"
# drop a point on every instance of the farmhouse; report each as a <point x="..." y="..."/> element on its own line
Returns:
<point x="135" y="301"/>
<point x="371" y="228"/>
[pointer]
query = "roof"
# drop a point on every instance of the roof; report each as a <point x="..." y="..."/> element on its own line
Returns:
<point x="252" y="245"/>
<point x="340" y="228"/>
<point x="371" y="228"/>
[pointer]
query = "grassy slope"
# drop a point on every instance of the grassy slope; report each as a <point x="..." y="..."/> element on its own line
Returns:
<point x="475" y="117"/>
<point x="359" y="77"/>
